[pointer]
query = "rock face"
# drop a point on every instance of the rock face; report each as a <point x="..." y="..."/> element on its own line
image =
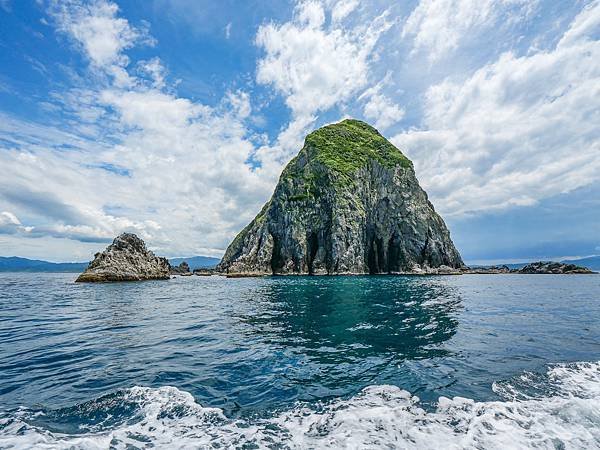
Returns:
<point x="487" y="270"/>
<point x="548" y="267"/>
<point x="181" y="269"/>
<point x="348" y="203"/>
<point x="126" y="259"/>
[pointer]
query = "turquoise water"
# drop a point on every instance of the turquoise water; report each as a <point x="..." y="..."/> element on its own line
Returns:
<point x="301" y="362"/>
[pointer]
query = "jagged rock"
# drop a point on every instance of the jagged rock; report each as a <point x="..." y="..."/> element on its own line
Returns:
<point x="348" y="203"/>
<point x="182" y="269"/>
<point x="126" y="259"/>
<point x="550" y="267"/>
<point x="487" y="270"/>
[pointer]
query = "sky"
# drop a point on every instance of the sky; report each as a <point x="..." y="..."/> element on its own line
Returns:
<point x="173" y="119"/>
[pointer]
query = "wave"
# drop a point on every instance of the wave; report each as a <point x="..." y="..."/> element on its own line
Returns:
<point x="557" y="409"/>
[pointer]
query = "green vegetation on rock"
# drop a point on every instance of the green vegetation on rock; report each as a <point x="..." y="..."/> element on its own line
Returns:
<point x="349" y="202"/>
<point x="349" y="145"/>
<point x="333" y="154"/>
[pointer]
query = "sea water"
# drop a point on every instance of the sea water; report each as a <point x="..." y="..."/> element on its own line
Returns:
<point x="472" y="361"/>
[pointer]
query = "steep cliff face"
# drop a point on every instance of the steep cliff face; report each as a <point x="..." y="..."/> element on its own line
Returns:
<point x="126" y="259"/>
<point x="348" y="203"/>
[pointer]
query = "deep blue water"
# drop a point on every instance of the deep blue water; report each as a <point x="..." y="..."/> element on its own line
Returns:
<point x="269" y="351"/>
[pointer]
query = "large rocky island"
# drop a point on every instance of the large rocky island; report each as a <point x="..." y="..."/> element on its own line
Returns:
<point x="126" y="259"/>
<point x="348" y="203"/>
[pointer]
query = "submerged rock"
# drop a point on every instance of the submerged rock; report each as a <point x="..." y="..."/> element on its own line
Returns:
<point x="126" y="259"/>
<point x="549" y="267"/>
<point x="348" y="203"/>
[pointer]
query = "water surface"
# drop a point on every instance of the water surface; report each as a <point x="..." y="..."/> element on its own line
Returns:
<point x="94" y="364"/>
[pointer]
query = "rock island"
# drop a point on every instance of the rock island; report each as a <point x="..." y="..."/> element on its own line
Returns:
<point x="348" y="203"/>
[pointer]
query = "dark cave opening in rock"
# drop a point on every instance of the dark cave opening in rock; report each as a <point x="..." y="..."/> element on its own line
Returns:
<point x="277" y="261"/>
<point x="393" y="255"/>
<point x="377" y="258"/>
<point x="313" y="248"/>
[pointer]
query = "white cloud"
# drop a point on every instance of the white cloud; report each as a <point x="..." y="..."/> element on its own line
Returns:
<point x="177" y="174"/>
<point x="438" y="27"/>
<point x="515" y="131"/>
<point x="9" y="223"/>
<point x="585" y="27"/>
<point x="382" y="111"/>
<point x="342" y="9"/>
<point x="131" y="154"/>
<point x="314" y="66"/>
<point x="156" y="71"/>
<point x="8" y="218"/>
<point x="101" y="34"/>
<point x="380" y="108"/>
<point x="311" y="14"/>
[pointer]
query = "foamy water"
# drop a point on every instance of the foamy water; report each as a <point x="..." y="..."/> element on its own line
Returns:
<point x="556" y="409"/>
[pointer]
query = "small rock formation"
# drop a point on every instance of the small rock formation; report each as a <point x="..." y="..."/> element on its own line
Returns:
<point x="126" y="259"/>
<point x="348" y="203"/>
<point x="487" y="270"/>
<point x="182" y="269"/>
<point x="204" y="272"/>
<point x="549" y="267"/>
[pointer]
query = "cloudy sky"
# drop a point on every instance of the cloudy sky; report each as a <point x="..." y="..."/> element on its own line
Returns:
<point x="174" y="118"/>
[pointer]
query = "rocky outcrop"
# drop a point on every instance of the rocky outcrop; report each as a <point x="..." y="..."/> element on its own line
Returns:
<point x="549" y="267"/>
<point x="485" y="270"/>
<point x="540" y="267"/>
<point x="126" y="259"/>
<point x="348" y="203"/>
<point x="182" y="269"/>
<point x="205" y="272"/>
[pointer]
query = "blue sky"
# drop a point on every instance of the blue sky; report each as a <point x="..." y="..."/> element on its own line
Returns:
<point x="174" y="118"/>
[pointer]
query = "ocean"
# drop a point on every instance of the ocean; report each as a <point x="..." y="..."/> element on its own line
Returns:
<point x="471" y="361"/>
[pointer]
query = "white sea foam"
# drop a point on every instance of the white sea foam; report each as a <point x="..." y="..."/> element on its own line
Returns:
<point x="559" y="409"/>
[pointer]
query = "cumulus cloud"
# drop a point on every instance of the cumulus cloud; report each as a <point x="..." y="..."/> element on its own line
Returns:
<point x="170" y="169"/>
<point x="316" y="66"/>
<point x="380" y="108"/>
<point x="155" y="70"/>
<point x="133" y="155"/>
<point x="9" y="223"/>
<point x="342" y="9"/>
<point x="515" y="131"/>
<point x="382" y="111"/>
<point x="438" y="27"/>
<point x="102" y="35"/>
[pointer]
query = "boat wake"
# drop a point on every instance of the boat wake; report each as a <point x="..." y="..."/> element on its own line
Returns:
<point x="557" y="409"/>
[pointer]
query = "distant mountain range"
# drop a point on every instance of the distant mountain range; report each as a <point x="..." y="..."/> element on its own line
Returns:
<point x="591" y="262"/>
<point x="16" y="264"/>
<point x="197" y="262"/>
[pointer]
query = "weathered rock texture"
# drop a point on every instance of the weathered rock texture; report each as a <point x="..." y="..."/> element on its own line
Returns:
<point x="549" y="267"/>
<point x="349" y="203"/>
<point x="487" y="270"/>
<point x="126" y="259"/>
